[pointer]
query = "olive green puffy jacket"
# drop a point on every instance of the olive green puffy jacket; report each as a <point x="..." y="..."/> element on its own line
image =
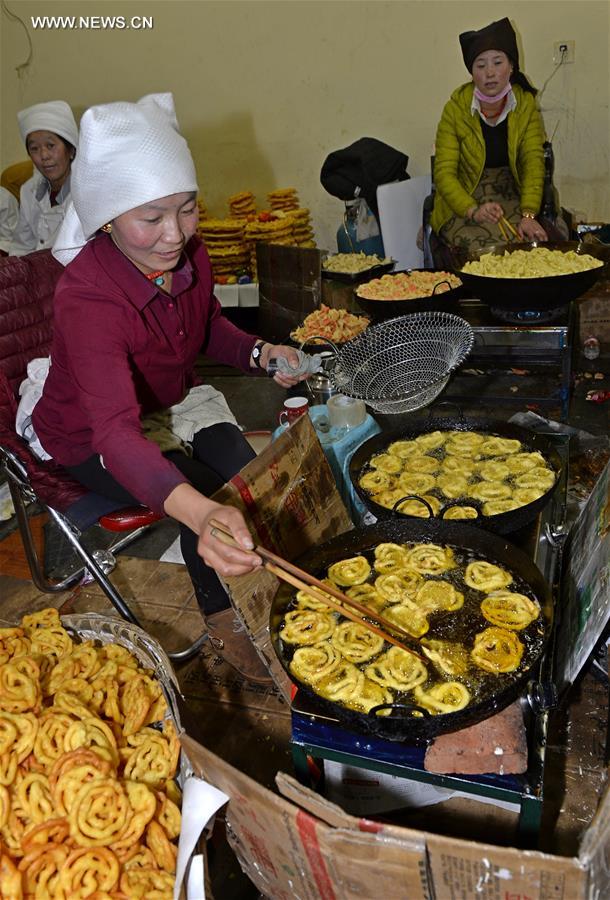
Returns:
<point x="460" y="154"/>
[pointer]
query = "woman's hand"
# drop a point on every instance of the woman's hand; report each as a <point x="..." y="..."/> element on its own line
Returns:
<point x="223" y="558"/>
<point x="531" y="230"/>
<point x="487" y="213"/>
<point x="274" y="351"/>
<point x="191" y="508"/>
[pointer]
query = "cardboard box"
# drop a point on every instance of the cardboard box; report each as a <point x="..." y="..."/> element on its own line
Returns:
<point x="290" y="501"/>
<point x="298" y="846"/>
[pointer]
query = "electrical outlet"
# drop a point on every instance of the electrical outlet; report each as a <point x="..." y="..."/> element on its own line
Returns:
<point x="563" y="52"/>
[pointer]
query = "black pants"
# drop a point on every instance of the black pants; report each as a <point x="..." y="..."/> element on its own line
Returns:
<point x="219" y="452"/>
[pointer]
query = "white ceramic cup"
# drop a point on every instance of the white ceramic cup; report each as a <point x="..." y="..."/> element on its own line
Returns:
<point x="294" y="408"/>
<point x="345" y="412"/>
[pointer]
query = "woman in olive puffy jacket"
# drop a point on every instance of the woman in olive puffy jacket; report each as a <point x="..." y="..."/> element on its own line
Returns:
<point x="489" y="159"/>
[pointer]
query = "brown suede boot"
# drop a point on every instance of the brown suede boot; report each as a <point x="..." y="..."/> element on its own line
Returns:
<point x="230" y="640"/>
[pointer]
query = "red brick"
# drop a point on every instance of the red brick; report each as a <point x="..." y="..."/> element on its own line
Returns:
<point x="496" y="745"/>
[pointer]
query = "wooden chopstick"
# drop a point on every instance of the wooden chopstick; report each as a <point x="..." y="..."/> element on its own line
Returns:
<point x="302" y="580"/>
<point x="509" y="227"/>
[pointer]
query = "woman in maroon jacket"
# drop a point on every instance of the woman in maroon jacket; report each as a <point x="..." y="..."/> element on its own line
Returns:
<point x="132" y="311"/>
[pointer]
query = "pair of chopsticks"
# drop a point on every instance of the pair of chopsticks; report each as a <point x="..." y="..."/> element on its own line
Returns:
<point x="303" y="581"/>
<point x="507" y="230"/>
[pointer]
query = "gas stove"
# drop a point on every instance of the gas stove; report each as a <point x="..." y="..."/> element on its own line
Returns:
<point x="318" y="735"/>
<point x="538" y="345"/>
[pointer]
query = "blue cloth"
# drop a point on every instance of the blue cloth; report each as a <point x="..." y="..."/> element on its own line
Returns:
<point x="339" y="445"/>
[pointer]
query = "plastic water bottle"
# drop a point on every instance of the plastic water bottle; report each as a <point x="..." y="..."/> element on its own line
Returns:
<point x="591" y="347"/>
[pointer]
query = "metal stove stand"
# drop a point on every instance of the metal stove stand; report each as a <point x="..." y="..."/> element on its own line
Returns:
<point x="543" y="348"/>
<point x="317" y="736"/>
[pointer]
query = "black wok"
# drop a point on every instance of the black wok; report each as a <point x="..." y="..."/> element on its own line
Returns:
<point x="442" y="301"/>
<point x="522" y="294"/>
<point x="504" y="523"/>
<point x="401" y="724"/>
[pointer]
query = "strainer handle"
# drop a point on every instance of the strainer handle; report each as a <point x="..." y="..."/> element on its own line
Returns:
<point x="397" y="512"/>
<point x="322" y="338"/>
<point x="432" y="410"/>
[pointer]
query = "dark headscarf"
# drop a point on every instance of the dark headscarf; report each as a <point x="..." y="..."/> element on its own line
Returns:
<point x="499" y="35"/>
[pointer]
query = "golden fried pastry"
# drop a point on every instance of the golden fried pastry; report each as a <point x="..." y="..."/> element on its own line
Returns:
<point x="453" y="485"/>
<point x="397" y="669"/>
<point x="497" y="650"/>
<point x="431" y="441"/>
<point x="447" y="697"/>
<point x="461" y="512"/>
<point x="490" y="490"/>
<point x="521" y="463"/>
<point x="494" y="471"/>
<point x="350" y="571"/>
<point x="355" y="642"/>
<point x="497" y="507"/>
<point x="312" y="663"/>
<point x="368" y="596"/>
<point x="448" y="656"/>
<point x="368" y="696"/>
<point x="523" y="496"/>
<point x="509" y="610"/>
<point x="430" y="559"/>
<point x="487" y="577"/>
<point x="407" y="618"/>
<point x="499" y="446"/>
<point x="538" y="477"/>
<point x="306" y="601"/>
<point x="306" y="626"/>
<point x="398" y="587"/>
<point x="465" y="440"/>
<point x="389" y="499"/>
<point x="427" y="465"/>
<point x="342" y="683"/>
<point x="436" y="596"/>
<point x="415" y="483"/>
<point x="404" y="449"/>
<point x="457" y="465"/>
<point x="375" y="481"/>
<point x="389" y="557"/>
<point x="386" y="462"/>
<point x="415" y="507"/>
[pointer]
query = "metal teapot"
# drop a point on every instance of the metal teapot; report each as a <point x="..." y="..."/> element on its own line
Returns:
<point x="319" y="385"/>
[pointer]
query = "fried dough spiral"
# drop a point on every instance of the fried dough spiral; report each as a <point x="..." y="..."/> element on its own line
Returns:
<point x="497" y="650"/>
<point x="397" y="669"/>
<point x="306" y="626"/>
<point x="350" y="571"/>
<point x="509" y="610"/>
<point x="485" y="576"/>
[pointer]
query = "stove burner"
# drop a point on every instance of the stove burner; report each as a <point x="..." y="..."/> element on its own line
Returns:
<point x="528" y="317"/>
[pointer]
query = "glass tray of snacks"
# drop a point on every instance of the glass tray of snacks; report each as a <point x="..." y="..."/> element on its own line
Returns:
<point x="90" y="761"/>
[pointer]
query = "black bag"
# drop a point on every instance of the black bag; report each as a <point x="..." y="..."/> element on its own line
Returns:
<point x="365" y="164"/>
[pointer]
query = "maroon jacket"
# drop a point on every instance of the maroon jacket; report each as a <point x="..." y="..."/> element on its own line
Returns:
<point x="121" y="349"/>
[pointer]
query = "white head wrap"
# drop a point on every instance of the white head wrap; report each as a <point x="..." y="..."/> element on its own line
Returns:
<point x="55" y="116"/>
<point x="129" y="154"/>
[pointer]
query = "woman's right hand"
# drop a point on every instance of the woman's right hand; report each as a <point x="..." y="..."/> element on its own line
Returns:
<point x="191" y="508"/>
<point x="487" y="213"/>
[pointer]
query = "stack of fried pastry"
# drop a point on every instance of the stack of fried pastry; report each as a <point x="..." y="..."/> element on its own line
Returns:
<point x="241" y="205"/>
<point x="224" y="239"/>
<point x="302" y="228"/>
<point x="283" y="199"/>
<point x="268" y="228"/>
<point x="88" y="802"/>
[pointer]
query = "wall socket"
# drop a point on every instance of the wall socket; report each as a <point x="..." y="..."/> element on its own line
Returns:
<point x="564" y="51"/>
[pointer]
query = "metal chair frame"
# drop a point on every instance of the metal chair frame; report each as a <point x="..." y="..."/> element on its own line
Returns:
<point x="22" y="494"/>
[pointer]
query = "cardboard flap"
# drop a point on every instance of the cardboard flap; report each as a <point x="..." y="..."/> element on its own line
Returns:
<point x="585" y="598"/>
<point x="314" y="803"/>
<point x="290" y="501"/>
<point x="595" y="849"/>
<point x="289" y="853"/>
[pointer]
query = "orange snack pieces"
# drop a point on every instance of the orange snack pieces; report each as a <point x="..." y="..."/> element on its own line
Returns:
<point x="408" y="285"/>
<point x="337" y="325"/>
<point x="88" y="802"/>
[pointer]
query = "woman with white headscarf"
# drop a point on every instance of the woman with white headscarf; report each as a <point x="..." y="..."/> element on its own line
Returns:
<point x="132" y="310"/>
<point x="50" y="135"/>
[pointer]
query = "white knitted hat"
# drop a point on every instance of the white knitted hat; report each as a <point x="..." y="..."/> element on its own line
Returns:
<point x="55" y="116"/>
<point x="129" y="154"/>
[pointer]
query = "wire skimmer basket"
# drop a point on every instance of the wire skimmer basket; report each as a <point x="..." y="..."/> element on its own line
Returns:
<point x="404" y="363"/>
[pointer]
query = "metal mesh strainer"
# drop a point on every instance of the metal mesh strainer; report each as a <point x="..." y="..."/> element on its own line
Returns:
<point x="404" y="363"/>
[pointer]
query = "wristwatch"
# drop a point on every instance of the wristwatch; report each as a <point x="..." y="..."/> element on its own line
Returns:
<point x="256" y="353"/>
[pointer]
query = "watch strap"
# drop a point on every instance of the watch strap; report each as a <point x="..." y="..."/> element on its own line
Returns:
<point x="256" y="353"/>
